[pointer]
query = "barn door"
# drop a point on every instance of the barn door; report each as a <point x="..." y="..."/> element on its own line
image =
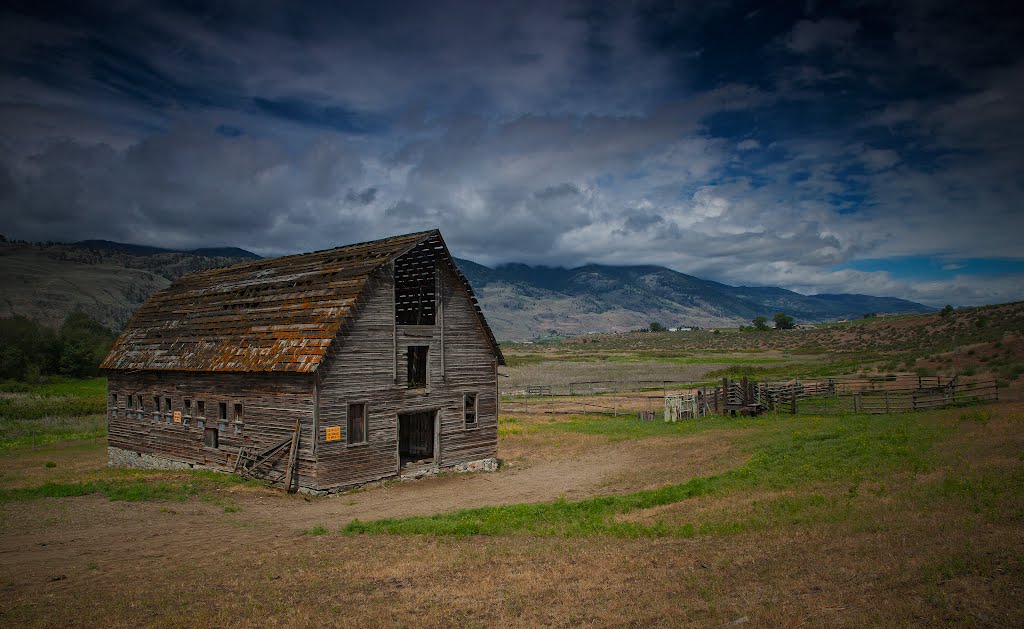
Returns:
<point x="417" y="438"/>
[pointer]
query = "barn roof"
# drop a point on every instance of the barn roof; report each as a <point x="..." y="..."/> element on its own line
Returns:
<point x="278" y="314"/>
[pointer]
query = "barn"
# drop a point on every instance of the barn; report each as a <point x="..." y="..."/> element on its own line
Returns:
<point x="322" y="371"/>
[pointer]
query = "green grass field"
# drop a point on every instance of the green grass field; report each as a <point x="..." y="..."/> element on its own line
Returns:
<point x="60" y="409"/>
<point x="787" y="453"/>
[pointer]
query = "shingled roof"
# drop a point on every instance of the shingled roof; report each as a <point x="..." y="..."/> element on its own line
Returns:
<point x="278" y="314"/>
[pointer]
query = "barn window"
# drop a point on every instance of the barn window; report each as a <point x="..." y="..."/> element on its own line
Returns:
<point x="469" y="409"/>
<point x="129" y="407"/>
<point x="113" y="405"/>
<point x="211" y="438"/>
<point x="414" y="289"/>
<point x="156" y="408"/>
<point x="222" y="411"/>
<point x="357" y="423"/>
<point x="237" y="418"/>
<point x="168" y="413"/>
<point x="141" y="413"/>
<point x="417" y="363"/>
<point x="186" y="411"/>
<point x="200" y="408"/>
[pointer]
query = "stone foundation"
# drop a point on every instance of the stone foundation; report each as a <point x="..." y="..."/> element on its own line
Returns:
<point x="483" y="465"/>
<point x="118" y="457"/>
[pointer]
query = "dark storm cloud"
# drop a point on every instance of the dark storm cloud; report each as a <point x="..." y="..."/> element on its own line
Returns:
<point x="364" y="197"/>
<point x="746" y="144"/>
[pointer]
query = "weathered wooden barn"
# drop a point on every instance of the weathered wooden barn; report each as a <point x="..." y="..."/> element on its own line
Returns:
<point x="323" y="370"/>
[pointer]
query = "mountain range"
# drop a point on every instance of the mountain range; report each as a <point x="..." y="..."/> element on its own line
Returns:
<point x="521" y="301"/>
<point x="110" y="280"/>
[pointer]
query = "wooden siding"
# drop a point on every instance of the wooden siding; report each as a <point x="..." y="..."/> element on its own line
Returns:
<point x="270" y="405"/>
<point x="363" y="371"/>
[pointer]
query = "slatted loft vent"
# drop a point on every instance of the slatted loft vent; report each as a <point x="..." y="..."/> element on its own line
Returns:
<point x="415" y="286"/>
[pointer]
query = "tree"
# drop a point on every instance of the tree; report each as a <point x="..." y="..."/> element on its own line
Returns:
<point x="948" y="310"/>
<point x="783" y="321"/>
<point x="657" y="327"/>
<point x="760" y="323"/>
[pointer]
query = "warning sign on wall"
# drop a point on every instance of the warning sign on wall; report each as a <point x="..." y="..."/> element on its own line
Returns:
<point x="333" y="433"/>
<point x="177" y="417"/>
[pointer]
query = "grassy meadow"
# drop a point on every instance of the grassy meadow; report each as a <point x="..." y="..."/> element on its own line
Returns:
<point x="839" y="519"/>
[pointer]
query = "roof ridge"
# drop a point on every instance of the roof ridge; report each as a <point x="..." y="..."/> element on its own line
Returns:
<point x="279" y="259"/>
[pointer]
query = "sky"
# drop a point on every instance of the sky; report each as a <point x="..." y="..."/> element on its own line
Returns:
<point x="841" y="147"/>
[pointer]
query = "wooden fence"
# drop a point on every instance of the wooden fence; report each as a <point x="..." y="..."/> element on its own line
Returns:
<point x="891" y="394"/>
<point x="680" y="400"/>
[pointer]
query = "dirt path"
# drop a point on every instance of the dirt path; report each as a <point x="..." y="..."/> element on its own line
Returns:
<point x="69" y="538"/>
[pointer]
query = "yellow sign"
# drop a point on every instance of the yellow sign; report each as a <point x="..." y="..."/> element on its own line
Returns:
<point x="177" y="417"/>
<point x="333" y="433"/>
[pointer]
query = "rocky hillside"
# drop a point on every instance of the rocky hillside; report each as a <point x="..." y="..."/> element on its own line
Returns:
<point x="108" y="281"/>
<point x="521" y="301"/>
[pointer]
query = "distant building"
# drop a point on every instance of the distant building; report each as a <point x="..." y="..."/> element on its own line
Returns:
<point x="377" y="352"/>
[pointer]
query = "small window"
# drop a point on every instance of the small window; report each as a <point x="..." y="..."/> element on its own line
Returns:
<point x="186" y="411"/>
<point x="236" y="417"/>
<point x="356" y="423"/>
<point x="141" y="413"/>
<point x="128" y="405"/>
<point x="210" y="438"/>
<point x="417" y="363"/>
<point x="156" y="408"/>
<point x="113" y="405"/>
<point x="469" y="409"/>
<point x="222" y="411"/>
<point x="200" y="408"/>
<point x="168" y="413"/>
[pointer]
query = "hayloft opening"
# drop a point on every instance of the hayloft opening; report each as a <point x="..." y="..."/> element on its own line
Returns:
<point x="415" y="298"/>
<point x="416" y="438"/>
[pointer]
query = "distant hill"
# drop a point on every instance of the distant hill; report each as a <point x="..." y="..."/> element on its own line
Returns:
<point x="110" y="280"/>
<point x="107" y="280"/>
<point x="521" y="301"/>
<point x="145" y="250"/>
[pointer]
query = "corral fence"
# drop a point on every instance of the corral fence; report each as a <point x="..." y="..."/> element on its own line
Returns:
<point x="594" y="397"/>
<point x="675" y="400"/>
<point x="888" y="394"/>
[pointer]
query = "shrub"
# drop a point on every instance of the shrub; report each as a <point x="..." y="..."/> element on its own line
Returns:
<point x="783" y="321"/>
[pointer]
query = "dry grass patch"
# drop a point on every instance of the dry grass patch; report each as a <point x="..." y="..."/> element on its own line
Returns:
<point x="72" y="461"/>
